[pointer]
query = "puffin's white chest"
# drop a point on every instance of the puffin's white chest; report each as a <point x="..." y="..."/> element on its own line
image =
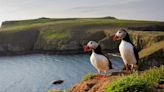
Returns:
<point x="127" y="53"/>
<point x="99" y="61"/>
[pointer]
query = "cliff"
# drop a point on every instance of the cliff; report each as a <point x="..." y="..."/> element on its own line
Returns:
<point x="152" y="56"/>
<point x="63" y="36"/>
<point x="69" y="35"/>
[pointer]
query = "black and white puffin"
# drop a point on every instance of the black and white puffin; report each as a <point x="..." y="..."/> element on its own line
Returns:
<point x="97" y="58"/>
<point x="127" y="49"/>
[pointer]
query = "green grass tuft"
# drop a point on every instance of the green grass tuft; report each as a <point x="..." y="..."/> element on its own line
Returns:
<point x="88" y="76"/>
<point x="137" y="83"/>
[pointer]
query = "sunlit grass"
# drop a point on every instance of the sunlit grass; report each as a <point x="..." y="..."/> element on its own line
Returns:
<point x="37" y="23"/>
<point x="137" y="83"/>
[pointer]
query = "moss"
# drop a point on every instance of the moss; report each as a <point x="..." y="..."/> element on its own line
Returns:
<point x="136" y="82"/>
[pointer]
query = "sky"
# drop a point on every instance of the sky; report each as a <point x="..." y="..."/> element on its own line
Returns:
<point x="122" y="9"/>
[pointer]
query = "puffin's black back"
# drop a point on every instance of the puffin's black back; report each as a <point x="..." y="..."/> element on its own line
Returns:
<point x="127" y="39"/>
<point x="136" y="54"/>
<point x="99" y="51"/>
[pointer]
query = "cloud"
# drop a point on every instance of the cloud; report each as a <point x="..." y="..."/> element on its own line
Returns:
<point x="107" y="4"/>
<point x="130" y="9"/>
<point x="135" y="9"/>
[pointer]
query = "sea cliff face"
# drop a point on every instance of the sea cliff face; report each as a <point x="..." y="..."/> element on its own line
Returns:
<point x="35" y="40"/>
<point x="14" y="42"/>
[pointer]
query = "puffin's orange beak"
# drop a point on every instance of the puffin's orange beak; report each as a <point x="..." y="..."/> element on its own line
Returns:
<point x="86" y="48"/>
<point x="115" y="37"/>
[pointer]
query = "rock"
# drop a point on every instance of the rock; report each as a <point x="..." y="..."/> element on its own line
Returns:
<point x="71" y="46"/>
<point x="108" y="44"/>
<point x="58" y="82"/>
<point x="93" y="85"/>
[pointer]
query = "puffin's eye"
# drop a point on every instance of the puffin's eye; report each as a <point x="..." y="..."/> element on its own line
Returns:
<point x="91" y="42"/>
<point x="119" y="32"/>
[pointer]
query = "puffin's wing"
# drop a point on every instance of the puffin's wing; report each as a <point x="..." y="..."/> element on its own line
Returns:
<point x="99" y="51"/>
<point x="109" y="62"/>
<point x="136" y="54"/>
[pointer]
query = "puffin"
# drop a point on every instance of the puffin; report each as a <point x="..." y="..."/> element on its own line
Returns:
<point x="127" y="49"/>
<point x="99" y="60"/>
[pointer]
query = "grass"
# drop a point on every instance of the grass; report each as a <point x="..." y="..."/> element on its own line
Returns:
<point x="83" y="24"/>
<point x="55" y="34"/>
<point x="34" y="21"/>
<point x="154" y="76"/>
<point x="152" y="49"/>
<point x="88" y="76"/>
<point x="136" y="82"/>
<point x="152" y="33"/>
<point x="38" y="23"/>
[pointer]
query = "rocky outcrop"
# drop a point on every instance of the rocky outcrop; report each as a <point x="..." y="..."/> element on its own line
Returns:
<point x="152" y="56"/>
<point x="17" y="42"/>
<point x="94" y="84"/>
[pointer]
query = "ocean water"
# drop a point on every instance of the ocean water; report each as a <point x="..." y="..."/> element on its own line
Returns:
<point x="36" y="72"/>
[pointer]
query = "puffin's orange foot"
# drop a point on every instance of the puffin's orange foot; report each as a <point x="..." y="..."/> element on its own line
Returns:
<point x="128" y="71"/>
<point x="101" y="76"/>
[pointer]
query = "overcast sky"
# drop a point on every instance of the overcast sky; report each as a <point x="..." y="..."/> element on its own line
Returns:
<point x="123" y="9"/>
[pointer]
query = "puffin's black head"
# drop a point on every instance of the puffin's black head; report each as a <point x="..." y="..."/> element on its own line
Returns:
<point x="120" y="34"/>
<point x="91" y="45"/>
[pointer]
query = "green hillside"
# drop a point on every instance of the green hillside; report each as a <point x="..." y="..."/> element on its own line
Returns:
<point x="72" y="22"/>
